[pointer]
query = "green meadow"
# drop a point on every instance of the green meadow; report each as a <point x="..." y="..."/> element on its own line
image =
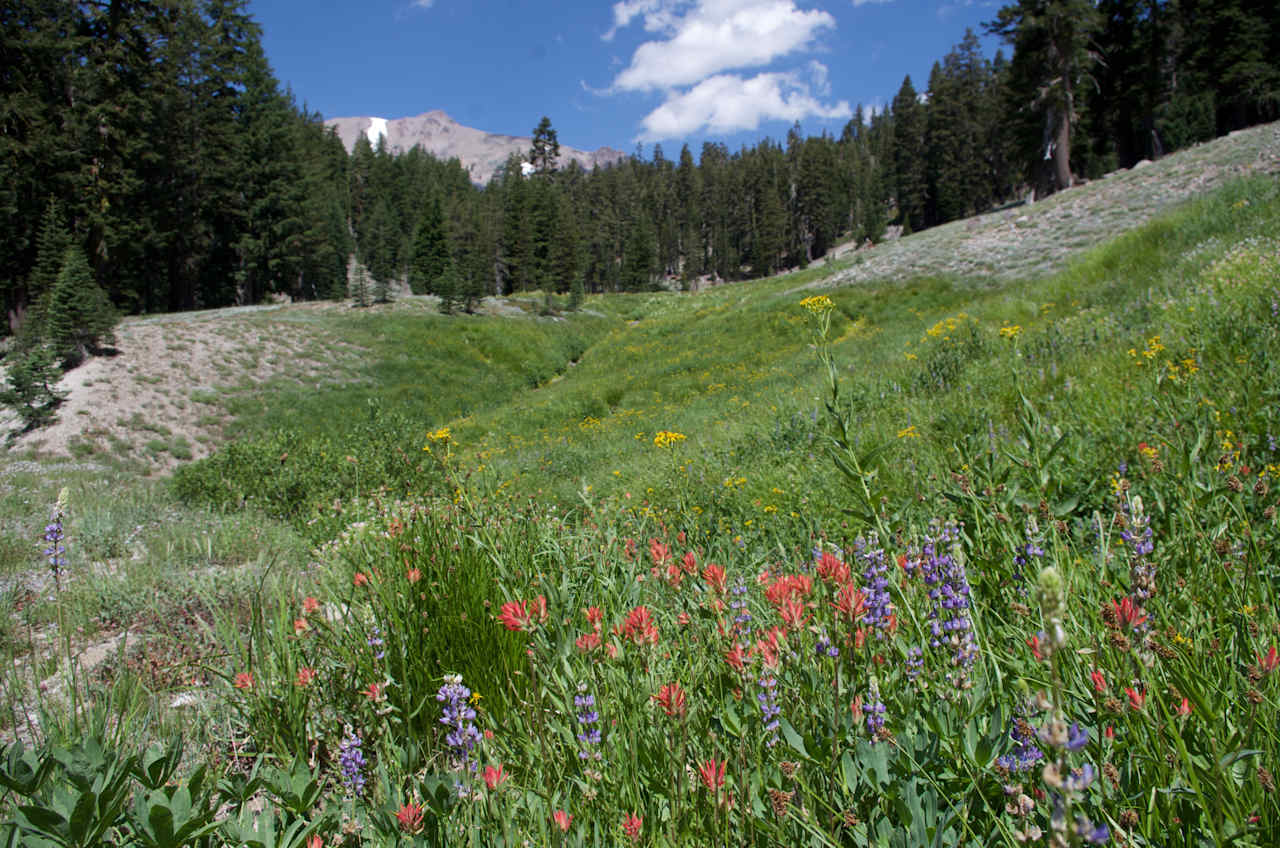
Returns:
<point x="939" y="560"/>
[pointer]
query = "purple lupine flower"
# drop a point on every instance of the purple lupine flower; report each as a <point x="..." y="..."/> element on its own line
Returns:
<point x="742" y="618"/>
<point x="873" y="711"/>
<point x="588" y="724"/>
<point x="1080" y="779"/>
<point x="879" y="606"/>
<point x="1077" y="737"/>
<point x="376" y="643"/>
<point x="1142" y="571"/>
<point x="1091" y="833"/>
<point x="1025" y="755"/>
<point x="915" y="663"/>
<point x="1025" y="558"/>
<point x="351" y="761"/>
<point x="458" y="716"/>
<point x="825" y="647"/>
<point x="942" y="568"/>
<point x="769" y="709"/>
<point x="54" y="535"/>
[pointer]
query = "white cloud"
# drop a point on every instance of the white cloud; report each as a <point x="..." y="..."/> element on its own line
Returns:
<point x="857" y="3"/>
<point x="728" y="103"/>
<point x="423" y="4"/>
<point x="711" y="36"/>
<point x="659" y="15"/>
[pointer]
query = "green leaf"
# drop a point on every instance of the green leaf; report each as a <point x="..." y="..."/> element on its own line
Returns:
<point x="849" y="772"/>
<point x="793" y="738"/>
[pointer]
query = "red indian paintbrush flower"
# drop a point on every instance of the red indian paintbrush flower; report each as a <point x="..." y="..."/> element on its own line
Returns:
<point x="562" y="820"/>
<point x="494" y="777"/>
<point x="659" y="553"/>
<point x="1128" y="613"/>
<point x="1136" y="699"/>
<point x="850" y="603"/>
<point x="410" y="818"/>
<point x="639" y="627"/>
<point x="1099" y="680"/>
<point x="631" y="825"/>
<point x="715" y="577"/>
<point x="672" y="700"/>
<point x="1270" y="662"/>
<point x="711" y="773"/>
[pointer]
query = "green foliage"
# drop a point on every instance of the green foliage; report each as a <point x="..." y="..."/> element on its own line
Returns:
<point x="430" y="250"/>
<point x="79" y="317"/>
<point x="30" y="385"/>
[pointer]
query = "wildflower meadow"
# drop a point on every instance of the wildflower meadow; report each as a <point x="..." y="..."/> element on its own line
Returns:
<point x="960" y="565"/>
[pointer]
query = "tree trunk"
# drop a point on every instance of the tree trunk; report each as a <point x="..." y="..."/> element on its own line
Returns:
<point x="1062" y="151"/>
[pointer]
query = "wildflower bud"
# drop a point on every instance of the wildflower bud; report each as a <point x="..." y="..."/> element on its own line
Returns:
<point x="1051" y="594"/>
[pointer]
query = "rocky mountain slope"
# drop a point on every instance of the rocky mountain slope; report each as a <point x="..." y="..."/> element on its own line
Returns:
<point x="481" y="153"/>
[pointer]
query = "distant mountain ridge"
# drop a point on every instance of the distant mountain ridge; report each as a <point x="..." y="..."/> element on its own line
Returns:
<point x="480" y="152"/>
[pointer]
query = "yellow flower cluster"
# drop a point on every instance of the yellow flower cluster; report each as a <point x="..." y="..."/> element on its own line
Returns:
<point x="666" y="438"/>
<point x="1010" y="331"/>
<point x="441" y="436"/>
<point x="946" y="326"/>
<point x="908" y="432"/>
<point x="818" y="304"/>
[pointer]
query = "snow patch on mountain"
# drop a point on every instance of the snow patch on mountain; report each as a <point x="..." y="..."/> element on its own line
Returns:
<point x="377" y="128"/>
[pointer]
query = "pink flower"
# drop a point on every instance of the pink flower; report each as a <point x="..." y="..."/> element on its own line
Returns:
<point x="659" y="552"/>
<point x="672" y="700"/>
<point x="494" y="777"/>
<point x="306" y="676"/>
<point x="515" y="616"/>
<point x="1099" y="681"/>
<point x="1137" y="700"/>
<point x="689" y="562"/>
<point x="1036" y="647"/>
<point x="410" y="818"/>
<point x="712" y="774"/>
<point x="361" y="579"/>
<point x="1270" y="662"/>
<point x="1128" y="613"/>
<point x="300" y="626"/>
<point x="631" y="825"/>
<point x="1183" y="709"/>
<point x="562" y="820"/>
<point x="715" y="577"/>
<point x="310" y="605"/>
<point x="244" y="680"/>
<point x="639" y="627"/>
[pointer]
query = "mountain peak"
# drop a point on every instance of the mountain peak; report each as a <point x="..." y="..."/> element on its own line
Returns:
<point x="481" y="153"/>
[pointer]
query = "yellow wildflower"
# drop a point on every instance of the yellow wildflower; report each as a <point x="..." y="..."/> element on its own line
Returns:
<point x="818" y="304"/>
<point x="908" y="432"/>
<point x="667" y="438"/>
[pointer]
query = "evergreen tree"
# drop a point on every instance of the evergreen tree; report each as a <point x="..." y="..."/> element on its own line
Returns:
<point x="545" y="151"/>
<point x="361" y="290"/>
<point x="30" y="387"/>
<point x="909" y="164"/>
<point x="79" y="317"/>
<point x="430" y="249"/>
<point x="449" y="287"/>
<point x="1053" y="56"/>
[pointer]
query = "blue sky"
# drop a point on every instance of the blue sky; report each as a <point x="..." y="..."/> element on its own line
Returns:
<point x="616" y="74"/>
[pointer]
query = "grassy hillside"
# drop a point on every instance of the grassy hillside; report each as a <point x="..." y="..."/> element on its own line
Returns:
<point x="931" y="560"/>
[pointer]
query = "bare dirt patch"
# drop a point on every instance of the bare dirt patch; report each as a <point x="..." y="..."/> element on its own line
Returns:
<point x="160" y="398"/>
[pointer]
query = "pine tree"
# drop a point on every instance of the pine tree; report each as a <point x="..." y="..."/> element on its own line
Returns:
<point x="909" y="164"/>
<point x="31" y="386"/>
<point x="79" y="316"/>
<point x="545" y="151"/>
<point x="449" y="288"/>
<point x="360" y="287"/>
<point x="1053" y="56"/>
<point x="430" y="249"/>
